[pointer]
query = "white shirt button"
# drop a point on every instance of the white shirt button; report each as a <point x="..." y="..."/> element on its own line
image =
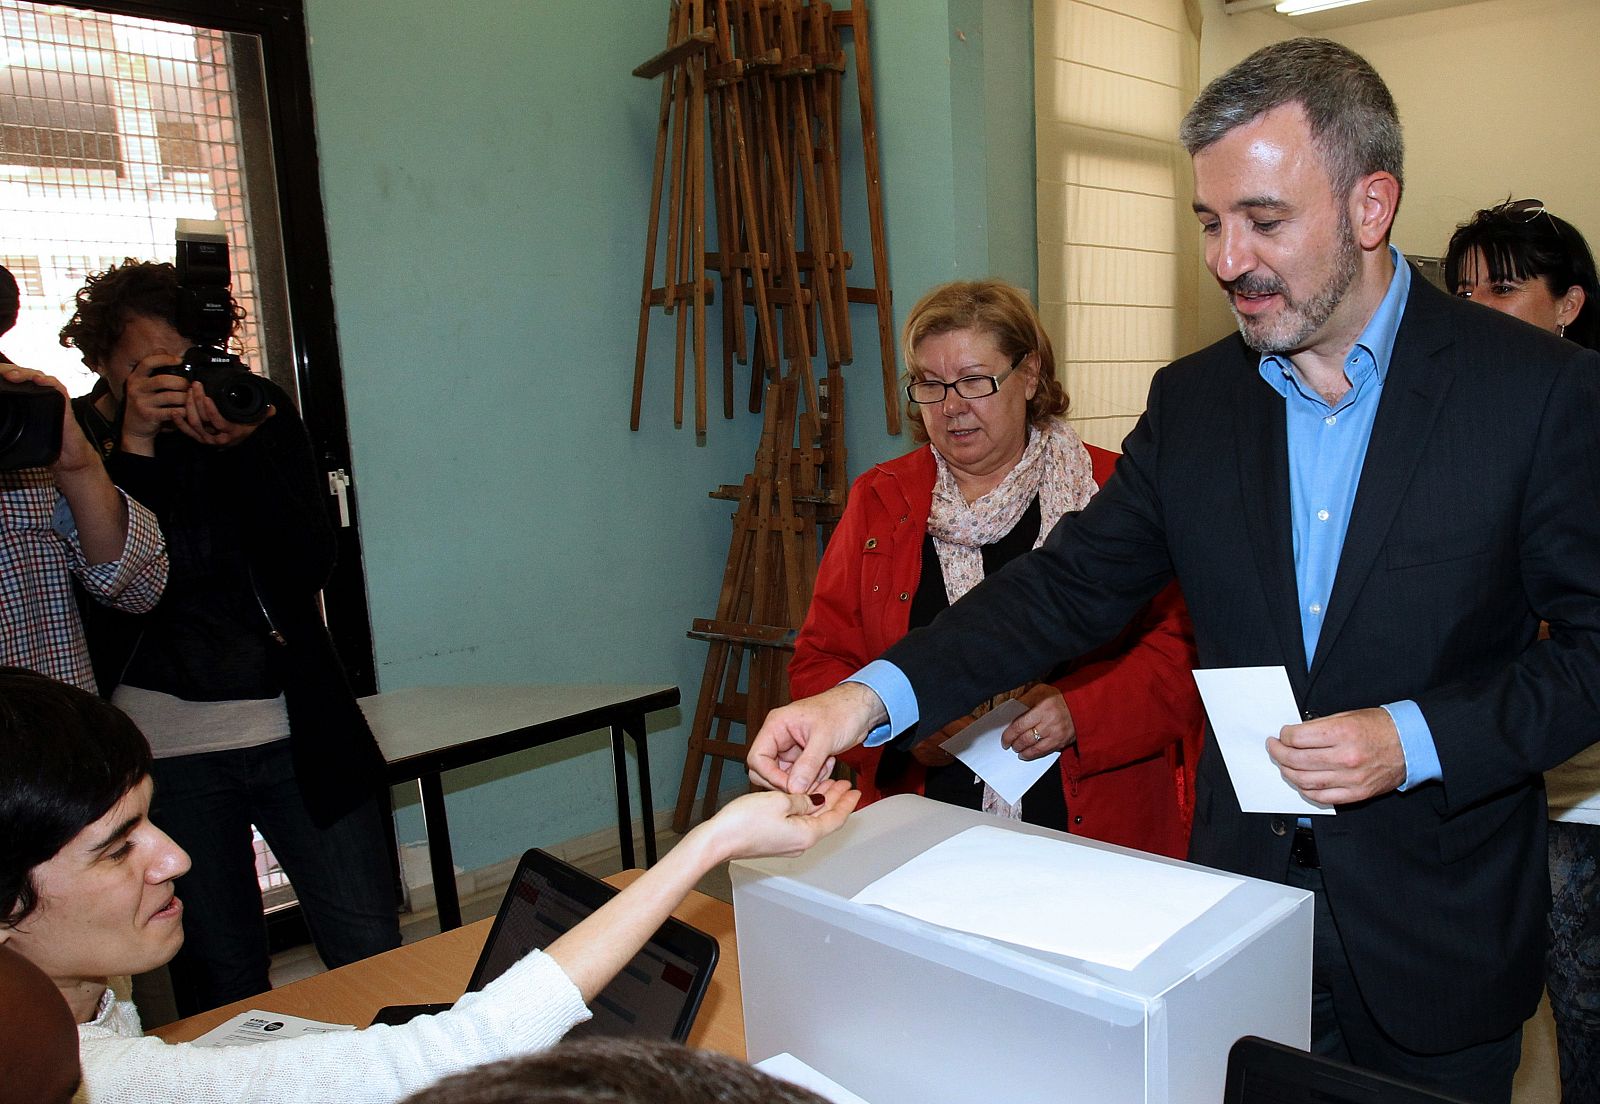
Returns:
<point x="1330" y="419"/>
<point x="1316" y="607"/>
<point x="1322" y="515"/>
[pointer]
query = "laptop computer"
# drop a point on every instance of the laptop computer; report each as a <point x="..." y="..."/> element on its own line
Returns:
<point x="1264" y="1072"/>
<point x="656" y="995"/>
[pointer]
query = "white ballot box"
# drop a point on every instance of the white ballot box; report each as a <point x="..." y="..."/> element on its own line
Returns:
<point x="901" y="1010"/>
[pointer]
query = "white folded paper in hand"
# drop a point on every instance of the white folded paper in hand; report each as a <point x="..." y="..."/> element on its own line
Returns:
<point x="1247" y="705"/>
<point x="978" y="746"/>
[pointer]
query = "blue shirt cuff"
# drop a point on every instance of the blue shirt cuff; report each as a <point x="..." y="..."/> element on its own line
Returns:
<point x="894" y="690"/>
<point x="1416" y="741"/>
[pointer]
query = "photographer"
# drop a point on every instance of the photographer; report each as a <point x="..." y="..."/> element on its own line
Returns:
<point x="60" y="523"/>
<point x="233" y="676"/>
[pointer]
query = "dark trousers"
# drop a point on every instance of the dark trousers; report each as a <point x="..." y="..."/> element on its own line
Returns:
<point x="341" y="873"/>
<point x="1573" y="978"/>
<point x="1342" y="1028"/>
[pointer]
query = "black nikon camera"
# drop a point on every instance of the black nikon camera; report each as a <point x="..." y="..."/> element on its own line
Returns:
<point x="30" y="425"/>
<point x="204" y="314"/>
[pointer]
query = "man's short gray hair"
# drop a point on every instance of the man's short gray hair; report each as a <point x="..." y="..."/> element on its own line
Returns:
<point x="1351" y="113"/>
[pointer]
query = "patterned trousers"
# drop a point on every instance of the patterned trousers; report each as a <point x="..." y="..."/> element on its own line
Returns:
<point x="1573" y="975"/>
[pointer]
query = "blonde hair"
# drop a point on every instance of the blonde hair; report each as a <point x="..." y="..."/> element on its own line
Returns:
<point x="1006" y="315"/>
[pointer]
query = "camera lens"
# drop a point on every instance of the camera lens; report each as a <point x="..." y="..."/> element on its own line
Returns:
<point x="241" y="398"/>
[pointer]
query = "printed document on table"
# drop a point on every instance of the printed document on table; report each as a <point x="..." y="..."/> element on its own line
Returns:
<point x="1050" y="894"/>
<point x="791" y="1069"/>
<point x="255" y="1026"/>
<point x="978" y="746"/>
<point x="1246" y="706"/>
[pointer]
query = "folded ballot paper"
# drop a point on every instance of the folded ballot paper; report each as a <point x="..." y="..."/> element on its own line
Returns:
<point x="1053" y="895"/>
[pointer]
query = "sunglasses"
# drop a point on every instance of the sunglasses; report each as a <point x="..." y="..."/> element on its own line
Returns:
<point x="1523" y="210"/>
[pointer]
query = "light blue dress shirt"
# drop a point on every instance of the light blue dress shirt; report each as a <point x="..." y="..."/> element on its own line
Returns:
<point x="1327" y="446"/>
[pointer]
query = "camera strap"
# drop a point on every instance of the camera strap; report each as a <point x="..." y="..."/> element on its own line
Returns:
<point x="273" y="631"/>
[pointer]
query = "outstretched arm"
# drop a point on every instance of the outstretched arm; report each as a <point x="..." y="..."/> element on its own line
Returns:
<point x="592" y="953"/>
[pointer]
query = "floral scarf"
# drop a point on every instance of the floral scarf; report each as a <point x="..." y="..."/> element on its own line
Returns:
<point x="1056" y="467"/>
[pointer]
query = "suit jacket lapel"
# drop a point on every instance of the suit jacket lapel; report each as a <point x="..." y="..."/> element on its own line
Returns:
<point x="1263" y="457"/>
<point x="1413" y="391"/>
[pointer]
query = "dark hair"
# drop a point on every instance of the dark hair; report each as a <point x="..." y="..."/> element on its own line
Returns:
<point x="108" y="301"/>
<point x="10" y="300"/>
<point x="616" y="1071"/>
<point x="1520" y="242"/>
<point x="1006" y="315"/>
<point x="1349" y="109"/>
<point x="66" y="757"/>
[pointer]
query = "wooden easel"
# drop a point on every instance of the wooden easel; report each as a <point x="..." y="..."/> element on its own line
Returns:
<point x="766" y="585"/>
<point x="762" y="81"/>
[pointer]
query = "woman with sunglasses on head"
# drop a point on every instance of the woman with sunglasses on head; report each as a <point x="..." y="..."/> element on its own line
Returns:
<point x="86" y="894"/>
<point x="1520" y="259"/>
<point x="999" y="468"/>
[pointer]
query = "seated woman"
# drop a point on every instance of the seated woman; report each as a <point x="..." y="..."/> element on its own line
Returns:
<point x="86" y="893"/>
<point x="1519" y="259"/>
<point x="1000" y="468"/>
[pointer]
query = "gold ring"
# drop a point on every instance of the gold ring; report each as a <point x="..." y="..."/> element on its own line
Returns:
<point x="1036" y="736"/>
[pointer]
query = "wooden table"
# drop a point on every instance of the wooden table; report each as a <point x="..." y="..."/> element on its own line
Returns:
<point x="438" y="968"/>
<point x="424" y="731"/>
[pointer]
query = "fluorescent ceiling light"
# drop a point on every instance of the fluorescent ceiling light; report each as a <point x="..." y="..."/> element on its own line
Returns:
<point x="1306" y="7"/>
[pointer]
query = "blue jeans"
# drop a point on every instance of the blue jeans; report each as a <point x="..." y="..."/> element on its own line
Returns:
<point x="341" y="873"/>
<point x="1573" y="974"/>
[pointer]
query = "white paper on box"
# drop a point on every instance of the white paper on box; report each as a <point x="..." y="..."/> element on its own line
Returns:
<point x="256" y="1026"/>
<point x="978" y="746"/>
<point x="1049" y="894"/>
<point x="796" y="1072"/>
<point x="1247" y="705"/>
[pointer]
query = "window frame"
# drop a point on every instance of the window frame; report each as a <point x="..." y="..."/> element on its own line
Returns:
<point x="319" y="375"/>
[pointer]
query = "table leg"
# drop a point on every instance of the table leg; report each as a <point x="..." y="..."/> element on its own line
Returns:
<point x="634" y="726"/>
<point x="440" y="859"/>
<point x="619" y="769"/>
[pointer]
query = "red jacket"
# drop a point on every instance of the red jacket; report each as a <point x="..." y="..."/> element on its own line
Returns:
<point x="1138" y="716"/>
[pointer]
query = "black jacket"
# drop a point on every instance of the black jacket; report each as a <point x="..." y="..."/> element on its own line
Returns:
<point x="251" y="547"/>
<point x="1477" y="515"/>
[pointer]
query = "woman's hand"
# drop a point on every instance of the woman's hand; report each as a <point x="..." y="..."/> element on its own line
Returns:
<point x="931" y="752"/>
<point x="747" y="827"/>
<point x="1046" y="726"/>
<point x="773" y="823"/>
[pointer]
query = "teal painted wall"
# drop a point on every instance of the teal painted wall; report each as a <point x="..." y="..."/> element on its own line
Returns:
<point x="486" y="170"/>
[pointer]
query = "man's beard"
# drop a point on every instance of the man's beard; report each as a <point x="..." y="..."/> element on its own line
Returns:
<point x="1296" y="323"/>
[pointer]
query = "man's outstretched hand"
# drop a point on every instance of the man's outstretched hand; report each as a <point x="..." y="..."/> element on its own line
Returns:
<point x="795" y="749"/>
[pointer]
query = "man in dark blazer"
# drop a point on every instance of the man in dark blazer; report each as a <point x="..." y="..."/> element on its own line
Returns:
<point x="1382" y="489"/>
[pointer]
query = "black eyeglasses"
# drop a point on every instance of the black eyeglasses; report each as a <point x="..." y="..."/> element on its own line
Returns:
<point x="929" y="391"/>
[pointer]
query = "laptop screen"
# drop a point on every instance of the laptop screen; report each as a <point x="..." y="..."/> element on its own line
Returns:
<point x="1264" y="1072"/>
<point x="656" y="995"/>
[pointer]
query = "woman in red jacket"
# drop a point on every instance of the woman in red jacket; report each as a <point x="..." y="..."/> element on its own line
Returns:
<point x="999" y="469"/>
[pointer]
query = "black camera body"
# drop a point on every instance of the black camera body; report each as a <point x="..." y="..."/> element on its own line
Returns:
<point x="30" y="425"/>
<point x="240" y="395"/>
<point x="204" y="314"/>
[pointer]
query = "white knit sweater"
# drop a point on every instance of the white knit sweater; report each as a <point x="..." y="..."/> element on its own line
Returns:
<point x="527" y="1008"/>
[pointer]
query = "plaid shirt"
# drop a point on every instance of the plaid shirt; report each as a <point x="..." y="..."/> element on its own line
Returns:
<point x="39" y="557"/>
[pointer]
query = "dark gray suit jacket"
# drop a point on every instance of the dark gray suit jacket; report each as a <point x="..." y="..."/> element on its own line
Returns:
<point x="1478" y="515"/>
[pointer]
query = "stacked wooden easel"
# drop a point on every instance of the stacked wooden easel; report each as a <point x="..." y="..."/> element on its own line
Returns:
<point x="751" y="99"/>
